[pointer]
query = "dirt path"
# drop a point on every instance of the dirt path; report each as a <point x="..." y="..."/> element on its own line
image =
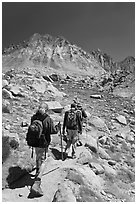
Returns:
<point x="52" y="176"/>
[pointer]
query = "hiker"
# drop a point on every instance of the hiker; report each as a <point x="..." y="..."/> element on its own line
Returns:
<point x="42" y="149"/>
<point x="72" y="124"/>
<point x="82" y="115"/>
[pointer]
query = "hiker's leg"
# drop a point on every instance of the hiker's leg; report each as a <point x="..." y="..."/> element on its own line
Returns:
<point x="74" y="141"/>
<point x="40" y="160"/>
<point x="68" y="141"/>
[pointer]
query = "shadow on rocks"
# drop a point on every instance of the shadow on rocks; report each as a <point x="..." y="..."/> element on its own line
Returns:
<point x="19" y="178"/>
<point x="57" y="154"/>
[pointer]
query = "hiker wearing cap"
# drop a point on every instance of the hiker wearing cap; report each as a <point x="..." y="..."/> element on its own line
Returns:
<point x="42" y="149"/>
<point x="82" y="114"/>
<point x="71" y="124"/>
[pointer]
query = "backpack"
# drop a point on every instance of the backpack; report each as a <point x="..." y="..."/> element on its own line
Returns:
<point x="34" y="136"/>
<point x="79" y="113"/>
<point x="71" y="119"/>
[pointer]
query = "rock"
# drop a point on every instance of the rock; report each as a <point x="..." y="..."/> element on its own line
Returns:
<point x="99" y="124"/>
<point x="7" y="127"/>
<point x="55" y="91"/>
<point x="15" y="90"/>
<point x="6" y="106"/>
<point x="39" y="86"/>
<point x="103" y="140"/>
<point x="130" y="138"/>
<point x="96" y="96"/>
<point x="121" y="119"/>
<point x="111" y="162"/>
<point x="132" y="121"/>
<point x="54" y="106"/>
<point x="91" y="143"/>
<point x="14" y="140"/>
<point x="109" y="170"/>
<point x="90" y="178"/>
<point x="6" y="94"/>
<point x="88" y="114"/>
<point x="48" y="78"/>
<point x="64" y="194"/>
<point x="97" y="168"/>
<point x="4" y="83"/>
<point x="103" y="154"/>
<point x="103" y="193"/>
<point x="24" y="124"/>
<point x="83" y="155"/>
<point x="55" y="77"/>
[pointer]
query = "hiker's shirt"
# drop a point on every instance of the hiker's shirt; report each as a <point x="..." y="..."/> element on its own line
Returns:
<point x="76" y="127"/>
<point x="48" y="125"/>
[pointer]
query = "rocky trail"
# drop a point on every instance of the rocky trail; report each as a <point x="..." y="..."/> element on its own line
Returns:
<point x="104" y="167"/>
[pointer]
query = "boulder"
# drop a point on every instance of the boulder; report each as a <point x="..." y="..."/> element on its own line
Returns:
<point x="6" y="106"/>
<point x="48" y="78"/>
<point x="111" y="162"/>
<point x="91" y="143"/>
<point x="98" y="124"/>
<point x="15" y="90"/>
<point x="102" y="140"/>
<point x="64" y="194"/>
<point x="55" y="91"/>
<point x="83" y="155"/>
<point x="39" y="86"/>
<point x="4" y="83"/>
<point x="109" y="170"/>
<point x="6" y="94"/>
<point x="55" y="77"/>
<point x="103" y="154"/>
<point x="121" y="119"/>
<point x="90" y="178"/>
<point x="96" y="96"/>
<point x="97" y="168"/>
<point x="54" y="106"/>
<point x="130" y="138"/>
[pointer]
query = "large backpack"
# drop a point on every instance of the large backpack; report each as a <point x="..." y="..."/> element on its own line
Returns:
<point x="79" y="113"/>
<point x="34" y="136"/>
<point x="71" y="120"/>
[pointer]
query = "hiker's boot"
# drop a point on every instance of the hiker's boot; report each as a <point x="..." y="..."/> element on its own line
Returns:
<point x="36" y="189"/>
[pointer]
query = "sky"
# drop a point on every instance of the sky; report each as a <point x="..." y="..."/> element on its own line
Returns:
<point x="109" y="26"/>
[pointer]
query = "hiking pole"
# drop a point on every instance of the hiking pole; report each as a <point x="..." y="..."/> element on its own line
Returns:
<point x="61" y="143"/>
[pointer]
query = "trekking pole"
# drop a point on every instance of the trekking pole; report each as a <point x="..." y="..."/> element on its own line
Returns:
<point x="61" y="143"/>
<point x="86" y="127"/>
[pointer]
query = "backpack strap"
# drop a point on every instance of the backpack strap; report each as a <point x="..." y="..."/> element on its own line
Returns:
<point x="32" y="153"/>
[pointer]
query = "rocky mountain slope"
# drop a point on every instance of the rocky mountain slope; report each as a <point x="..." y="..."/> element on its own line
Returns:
<point x="53" y="70"/>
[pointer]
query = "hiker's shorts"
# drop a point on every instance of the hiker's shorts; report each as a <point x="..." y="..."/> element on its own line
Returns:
<point x="72" y="135"/>
<point x="41" y="153"/>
